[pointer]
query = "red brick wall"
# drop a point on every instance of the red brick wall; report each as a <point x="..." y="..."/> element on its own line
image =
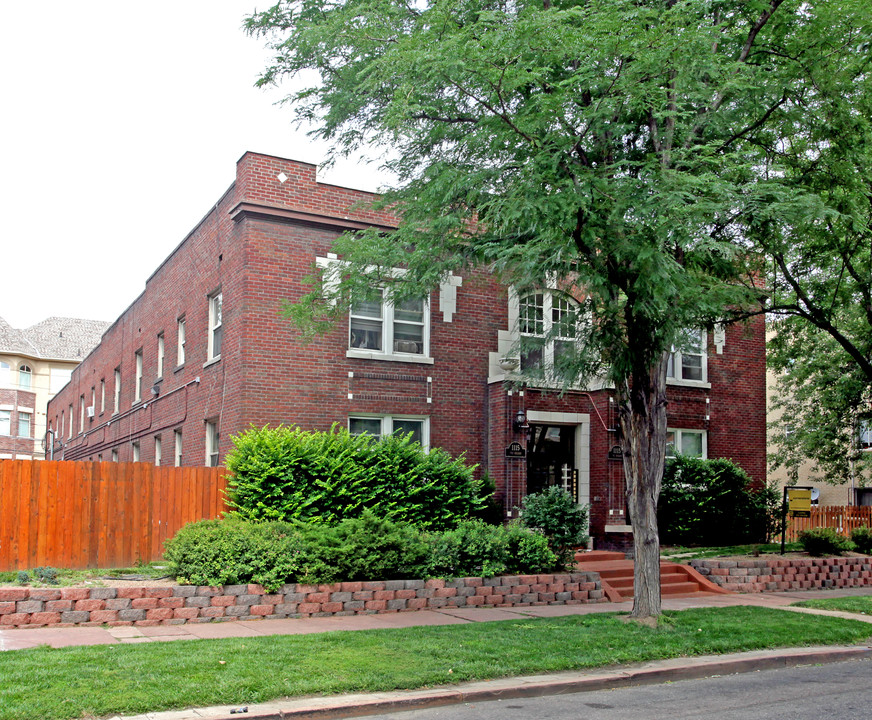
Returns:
<point x="12" y="444"/>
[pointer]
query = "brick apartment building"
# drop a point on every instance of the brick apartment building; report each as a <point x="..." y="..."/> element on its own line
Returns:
<point x="203" y="354"/>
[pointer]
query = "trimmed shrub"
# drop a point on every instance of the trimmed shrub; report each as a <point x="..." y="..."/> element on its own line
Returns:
<point x="325" y="477"/>
<point x="712" y="502"/>
<point x="364" y="548"/>
<point x="862" y="539"/>
<point x="824" y="541"/>
<point x="556" y="515"/>
<point x="232" y="552"/>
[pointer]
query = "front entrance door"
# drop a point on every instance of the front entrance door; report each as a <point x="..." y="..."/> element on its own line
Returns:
<point x="550" y="457"/>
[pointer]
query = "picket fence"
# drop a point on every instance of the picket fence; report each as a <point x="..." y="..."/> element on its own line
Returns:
<point x="842" y="518"/>
<point x="98" y="514"/>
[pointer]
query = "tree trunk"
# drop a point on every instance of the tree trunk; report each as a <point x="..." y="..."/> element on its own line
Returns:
<point x="642" y="414"/>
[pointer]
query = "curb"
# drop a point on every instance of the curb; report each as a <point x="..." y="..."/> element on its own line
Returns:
<point x="344" y="706"/>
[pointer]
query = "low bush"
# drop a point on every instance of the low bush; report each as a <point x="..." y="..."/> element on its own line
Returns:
<point x="364" y="548"/>
<point x="325" y="477"/>
<point x="712" y="503"/>
<point x="476" y="549"/>
<point x="556" y="515"/>
<point x="824" y="541"/>
<point x="862" y="539"/>
<point x="232" y="552"/>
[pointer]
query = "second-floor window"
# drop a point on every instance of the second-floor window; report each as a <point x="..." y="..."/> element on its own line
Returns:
<point x="688" y="361"/>
<point x="117" y="406"/>
<point x="5" y="422"/>
<point x="547" y="323"/>
<point x="137" y="385"/>
<point x="25" y="377"/>
<point x="180" y="347"/>
<point x="160" y="355"/>
<point x="215" y="326"/>
<point x="25" y="424"/>
<point x="379" y="326"/>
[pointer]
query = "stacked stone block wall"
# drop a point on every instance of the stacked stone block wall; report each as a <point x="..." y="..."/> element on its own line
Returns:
<point x="768" y="575"/>
<point x="179" y="604"/>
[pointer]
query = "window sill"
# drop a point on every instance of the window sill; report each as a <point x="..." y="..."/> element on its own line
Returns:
<point x="364" y="355"/>
<point x="179" y="367"/>
<point x="214" y="360"/>
<point x="688" y="383"/>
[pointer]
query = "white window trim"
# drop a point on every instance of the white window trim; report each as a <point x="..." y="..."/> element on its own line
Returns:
<point x="677" y="366"/>
<point x="678" y="432"/>
<point x="161" y="347"/>
<point x="9" y="433"/>
<point x="158" y="450"/>
<point x="387" y="424"/>
<point x="137" y="385"/>
<point x="117" y="392"/>
<point x="178" y="453"/>
<point x="136" y="450"/>
<point x="214" y="326"/>
<point x="102" y="395"/>
<point x="180" y="341"/>
<point x="213" y="437"/>
<point x="387" y="352"/>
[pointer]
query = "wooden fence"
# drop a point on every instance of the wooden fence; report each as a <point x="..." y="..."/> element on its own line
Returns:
<point x="98" y="514"/>
<point x="843" y="518"/>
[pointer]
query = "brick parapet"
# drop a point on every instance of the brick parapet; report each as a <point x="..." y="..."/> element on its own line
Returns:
<point x="780" y="574"/>
<point x="27" y="607"/>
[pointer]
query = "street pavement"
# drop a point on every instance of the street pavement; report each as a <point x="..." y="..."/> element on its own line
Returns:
<point x="533" y="686"/>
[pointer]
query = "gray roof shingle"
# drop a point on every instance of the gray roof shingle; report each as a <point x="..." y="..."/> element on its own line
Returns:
<point x="58" y="338"/>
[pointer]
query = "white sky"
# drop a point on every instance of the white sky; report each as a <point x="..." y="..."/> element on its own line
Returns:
<point x="121" y="126"/>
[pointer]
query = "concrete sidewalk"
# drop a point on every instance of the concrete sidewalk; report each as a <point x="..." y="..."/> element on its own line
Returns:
<point x="356" y="705"/>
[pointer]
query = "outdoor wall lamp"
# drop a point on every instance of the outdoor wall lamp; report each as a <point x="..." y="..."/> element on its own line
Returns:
<point x="520" y="422"/>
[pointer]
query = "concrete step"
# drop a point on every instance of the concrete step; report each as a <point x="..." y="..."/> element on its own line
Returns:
<point x="596" y="556"/>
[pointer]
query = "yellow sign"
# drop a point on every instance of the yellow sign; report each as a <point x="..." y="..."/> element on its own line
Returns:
<point x="799" y="502"/>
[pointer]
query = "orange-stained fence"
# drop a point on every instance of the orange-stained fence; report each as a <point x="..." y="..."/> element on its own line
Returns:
<point x="843" y="518"/>
<point x="98" y="514"/>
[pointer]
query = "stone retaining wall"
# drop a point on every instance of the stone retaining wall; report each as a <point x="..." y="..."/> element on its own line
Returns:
<point x="178" y="604"/>
<point x="778" y="574"/>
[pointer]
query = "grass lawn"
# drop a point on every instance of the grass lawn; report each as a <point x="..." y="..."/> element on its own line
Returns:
<point x="107" y="679"/>
<point x="861" y="605"/>
<point x="65" y="576"/>
<point x="684" y="554"/>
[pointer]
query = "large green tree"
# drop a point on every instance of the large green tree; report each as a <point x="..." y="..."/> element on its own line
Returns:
<point x="608" y="145"/>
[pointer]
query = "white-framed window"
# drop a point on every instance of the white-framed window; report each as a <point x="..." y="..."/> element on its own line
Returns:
<point x="216" y="331"/>
<point x="136" y="450"/>
<point x="5" y="374"/>
<point x="379" y="327"/>
<point x="692" y="443"/>
<point x="180" y="342"/>
<point x="102" y="395"/>
<point x="137" y="384"/>
<point x="81" y="414"/>
<point x="93" y="401"/>
<point x="114" y="456"/>
<point x="25" y="377"/>
<point x="71" y="420"/>
<point x="160" y="355"/>
<point x="381" y="425"/>
<point x="117" y="406"/>
<point x="158" y="450"/>
<point x="177" y="448"/>
<point x="57" y="378"/>
<point x="212" y="443"/>
<point x="62" y="423"/>
<point x="25" y="424"/>
<point x="5" y="422"/>
<point x="547" y="323"/>
<point x="688" y="361"/>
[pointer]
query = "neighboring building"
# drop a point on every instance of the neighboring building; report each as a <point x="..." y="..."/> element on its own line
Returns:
<point x="34" y="364"/>
<point x="204" y="353"/>
<point x="823" y="493"/>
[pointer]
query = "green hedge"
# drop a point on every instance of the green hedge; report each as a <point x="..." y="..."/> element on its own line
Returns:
<point x="325" y="477"/>
<point x="233" y="551"/>
<point x="824" y="541"/>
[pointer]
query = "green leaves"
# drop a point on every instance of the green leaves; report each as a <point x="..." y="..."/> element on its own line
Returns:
<point x="288" y="474"/>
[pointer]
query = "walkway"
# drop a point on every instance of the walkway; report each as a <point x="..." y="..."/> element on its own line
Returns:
<point x="21" y="638"/>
